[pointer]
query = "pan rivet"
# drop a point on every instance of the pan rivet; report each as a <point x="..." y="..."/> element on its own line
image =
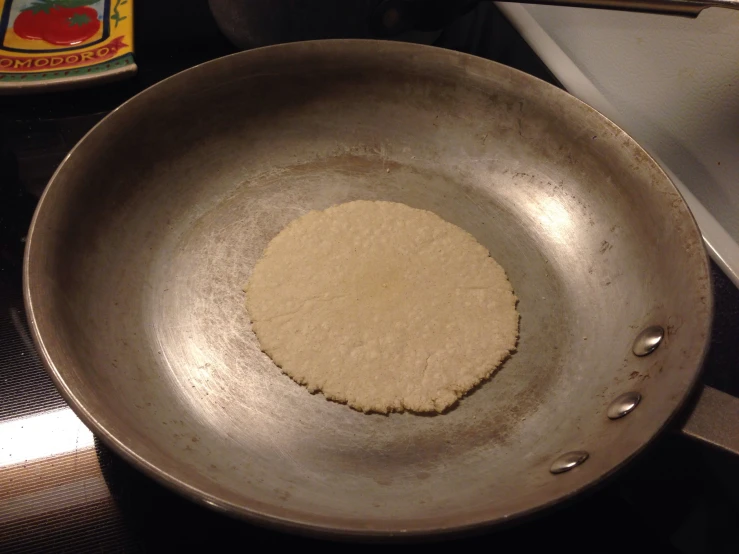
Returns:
<point x="623" y="405"/>
<point x="648" y="340"/>
<point x="568" y="461"/>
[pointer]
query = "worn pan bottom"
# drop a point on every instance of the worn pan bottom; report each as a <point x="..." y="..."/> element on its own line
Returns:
<point x="134" y="278"/>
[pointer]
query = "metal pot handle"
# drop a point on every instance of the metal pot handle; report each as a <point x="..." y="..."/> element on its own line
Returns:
<point x="688" y="8"/>
<point x="714" y="419"/>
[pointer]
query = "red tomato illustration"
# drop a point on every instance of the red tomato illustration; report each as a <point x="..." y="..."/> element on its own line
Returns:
<point x="29" y="25"/>
<point x="59" y="22"/>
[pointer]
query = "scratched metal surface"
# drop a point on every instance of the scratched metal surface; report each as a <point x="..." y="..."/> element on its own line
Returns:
<point x="35" y="134"/>
<point x="135" y="287"/>
<point x="645" y="507"/>
<point x="157" y="517"/>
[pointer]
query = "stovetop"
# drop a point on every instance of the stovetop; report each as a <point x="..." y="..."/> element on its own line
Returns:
<point x="61" y="490"/>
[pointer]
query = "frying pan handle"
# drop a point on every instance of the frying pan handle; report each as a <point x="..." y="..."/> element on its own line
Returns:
<point x="714" y="420"/>
<point x="688" y="8"/>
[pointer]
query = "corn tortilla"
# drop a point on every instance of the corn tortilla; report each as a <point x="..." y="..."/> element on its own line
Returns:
<point x="382" y="306"/>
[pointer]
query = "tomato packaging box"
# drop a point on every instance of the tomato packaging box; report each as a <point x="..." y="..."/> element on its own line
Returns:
<point x="53" y="44"/>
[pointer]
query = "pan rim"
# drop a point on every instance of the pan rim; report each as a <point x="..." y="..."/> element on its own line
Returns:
<point x="344" y="528"/>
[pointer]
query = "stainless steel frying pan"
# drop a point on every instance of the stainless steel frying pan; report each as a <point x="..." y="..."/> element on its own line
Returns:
<point x="149" y="229"/>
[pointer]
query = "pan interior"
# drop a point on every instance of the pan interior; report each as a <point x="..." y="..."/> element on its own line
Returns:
<point x="151" y="228"/>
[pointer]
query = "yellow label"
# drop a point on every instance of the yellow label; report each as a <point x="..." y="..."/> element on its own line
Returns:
<point x="44" y="35"/>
